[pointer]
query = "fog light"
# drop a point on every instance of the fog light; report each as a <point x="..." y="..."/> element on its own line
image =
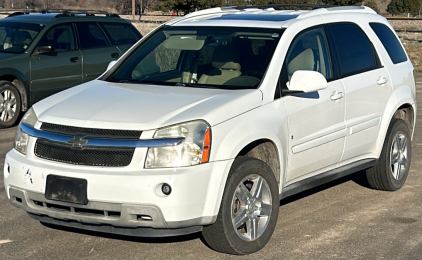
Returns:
<point x="166" y="189"/>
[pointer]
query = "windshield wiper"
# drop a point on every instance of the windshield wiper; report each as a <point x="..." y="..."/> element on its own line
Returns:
<point x="133" y="80"/>
<point x="192" y="85"/>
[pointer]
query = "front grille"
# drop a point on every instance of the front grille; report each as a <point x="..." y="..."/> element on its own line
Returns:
<point x="91" y="132"/>
<point x="91" y="156"/>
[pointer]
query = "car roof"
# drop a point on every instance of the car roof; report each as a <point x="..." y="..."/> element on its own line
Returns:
<point x="265" y="16"/>
<point x="53" y="18"/>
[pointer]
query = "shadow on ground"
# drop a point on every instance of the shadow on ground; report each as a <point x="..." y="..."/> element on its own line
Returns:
<point x="358" y="177"/>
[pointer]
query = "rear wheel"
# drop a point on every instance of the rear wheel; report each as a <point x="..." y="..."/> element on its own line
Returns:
<point x="392" y="169"/>
<point x="10" y="104"/>
<point x="249" y="209"/>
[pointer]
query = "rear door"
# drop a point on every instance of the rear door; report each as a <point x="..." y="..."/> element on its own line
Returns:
<point x="60" y="69"/>
<point x="367" y="85"/>
<point x="97" y="52"/>
<point x="121" y="35"/>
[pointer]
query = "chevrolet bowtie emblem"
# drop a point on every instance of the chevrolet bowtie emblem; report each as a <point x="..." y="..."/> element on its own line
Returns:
<point x="77" y="141"/>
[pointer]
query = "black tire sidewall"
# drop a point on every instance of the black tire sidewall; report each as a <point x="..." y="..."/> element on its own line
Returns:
<point x="247" y="167"/>
<point x="396" y="126"/>
<point x="6" y="85"/>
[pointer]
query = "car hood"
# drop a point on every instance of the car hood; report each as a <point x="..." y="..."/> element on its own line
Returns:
<point x="100" y="104"/>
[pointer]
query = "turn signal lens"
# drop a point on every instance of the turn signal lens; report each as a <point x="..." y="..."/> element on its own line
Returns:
<point x="207" y="146"/>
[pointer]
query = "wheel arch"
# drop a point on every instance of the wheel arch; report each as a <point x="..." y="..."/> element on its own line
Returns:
<point x="407" y="114"/>
<point x="266" y="151"/>
<point x="21" y="83"/>
<point x="401" y="105"/>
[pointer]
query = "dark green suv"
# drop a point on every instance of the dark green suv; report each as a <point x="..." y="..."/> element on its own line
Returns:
<point x="44" y="53"/>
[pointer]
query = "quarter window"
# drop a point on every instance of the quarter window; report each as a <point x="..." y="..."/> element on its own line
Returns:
<point x="90" y="36"/>
<point x="390" y="42"/>
<point x="355" y="51"/>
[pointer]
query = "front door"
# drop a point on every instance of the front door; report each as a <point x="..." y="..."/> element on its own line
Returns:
<point x="316" y="120"/>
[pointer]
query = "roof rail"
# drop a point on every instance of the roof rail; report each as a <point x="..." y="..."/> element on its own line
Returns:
<point x="73" y="12"/>
<point x="243" y="7"/>
<point x="67" y="12"/>
<point x="17" y="13"/>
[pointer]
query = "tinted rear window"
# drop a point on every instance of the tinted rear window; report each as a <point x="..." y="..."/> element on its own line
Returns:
<point x="121" y="33"/>
<point x="354" y="49"/>
<point x="390" y="42"/>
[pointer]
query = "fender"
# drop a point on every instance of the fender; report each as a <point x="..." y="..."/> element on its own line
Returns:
<point x="401" y="96"/>
<point x="232" y="136"/>
<point x="24" y="88"/>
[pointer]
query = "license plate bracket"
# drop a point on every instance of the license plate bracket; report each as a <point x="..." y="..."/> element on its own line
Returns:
<point x="66" y="189"/>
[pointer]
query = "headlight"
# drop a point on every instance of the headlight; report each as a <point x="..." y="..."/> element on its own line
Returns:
<point x="194" y="150"/>
<point x="29" y="118"/>
<point x="22" y="138"/>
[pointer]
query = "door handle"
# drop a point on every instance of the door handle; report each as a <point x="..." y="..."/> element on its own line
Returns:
<point x="382" y="81"/>
<point x="336" y="96"/>
<point x="115" y="55"/>
<point x="74" y="59"/>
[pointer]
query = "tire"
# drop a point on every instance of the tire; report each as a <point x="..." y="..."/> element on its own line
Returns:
<point x="10" y="104"/>
<point x="262" y="209"/>
<point x="393" y="165"/>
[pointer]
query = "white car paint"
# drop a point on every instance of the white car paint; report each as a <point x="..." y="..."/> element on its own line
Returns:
<point x="131" y="106"/>
<point x="312" y="135"/>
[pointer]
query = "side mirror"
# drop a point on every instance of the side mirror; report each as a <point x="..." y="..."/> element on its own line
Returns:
<point x="44" y="49"/>
<point x="307" y="81"/>
<point x="111" y="64"/>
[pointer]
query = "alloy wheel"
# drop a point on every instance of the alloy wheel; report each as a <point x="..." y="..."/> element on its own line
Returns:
<point x="251" y="207"/>
<point x="399" y="155"/>
<point x="7" y="105"/>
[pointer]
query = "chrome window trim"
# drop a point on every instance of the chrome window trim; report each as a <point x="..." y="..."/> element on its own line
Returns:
<point x="99" y="142"/>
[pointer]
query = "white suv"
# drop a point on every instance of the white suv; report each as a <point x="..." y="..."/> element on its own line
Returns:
<point x="212" y="118"/>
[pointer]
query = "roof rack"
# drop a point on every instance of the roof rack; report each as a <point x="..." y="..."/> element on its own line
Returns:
<point x="67" y="12"/>
<point x="73" y="12"/>
<point x="243" y="7"/>
<point x="17" y="13"/>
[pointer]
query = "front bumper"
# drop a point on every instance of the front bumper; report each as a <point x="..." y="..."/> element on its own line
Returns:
<point x="120" y="198"/>
<point x="136" y="232"/>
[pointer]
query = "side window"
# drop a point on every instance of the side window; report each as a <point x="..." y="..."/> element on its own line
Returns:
<point x="307" y="52"/>
<point x="119" y="33"/>
<point x="355" y="51"/>
<point x="61" y="37"/>
<point x="390" y="42"/>
<point x="90" y="36"/>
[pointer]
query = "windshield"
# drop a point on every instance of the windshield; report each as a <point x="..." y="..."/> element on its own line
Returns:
<point x="16" y="37"/>
<point x="215" y="57"/>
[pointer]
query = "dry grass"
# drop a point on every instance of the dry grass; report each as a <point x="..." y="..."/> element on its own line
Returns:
<point x="145" y="28"/>
<point x="151" y="18"/>
<point x="414" y="50"/>
<point x="413" y="45"/>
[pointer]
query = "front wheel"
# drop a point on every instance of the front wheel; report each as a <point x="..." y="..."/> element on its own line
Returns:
<point x="249" y="209"/>
<point x="10" y="104"/>
<point x="392" y="169"/>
